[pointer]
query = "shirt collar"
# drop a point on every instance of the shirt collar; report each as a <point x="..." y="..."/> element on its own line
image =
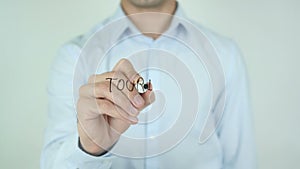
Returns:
<point x="125" y="25"/>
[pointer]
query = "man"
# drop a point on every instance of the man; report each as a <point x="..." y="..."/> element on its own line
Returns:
<point x="85" y="139"/>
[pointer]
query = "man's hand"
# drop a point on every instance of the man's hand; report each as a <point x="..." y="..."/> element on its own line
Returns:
<point x="105" y="112"/>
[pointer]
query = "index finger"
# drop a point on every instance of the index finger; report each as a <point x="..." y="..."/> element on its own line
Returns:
<point x="125" y="66"/>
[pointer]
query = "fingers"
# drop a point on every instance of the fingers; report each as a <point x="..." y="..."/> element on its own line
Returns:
<point x="101" y="91"/>
<point x="101" y="100"/>
<point x="149" y="98"/>
<point x="117" y="81"/>
<point x="98" y="107"/>
<point x="127" y="68"/>
<point x="128" y="89"/>
<point x="123" y="66"/>
<point x="113" y="110"/>
<point x="100" y="77"/>
<point x="118" y="88"/>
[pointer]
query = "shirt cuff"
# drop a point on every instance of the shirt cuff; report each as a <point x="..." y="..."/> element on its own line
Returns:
<point x="82" y="160"/>
<point x="104" y="154"/>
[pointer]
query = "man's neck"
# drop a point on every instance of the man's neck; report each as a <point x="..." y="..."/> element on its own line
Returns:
<point x="152" y="22"/>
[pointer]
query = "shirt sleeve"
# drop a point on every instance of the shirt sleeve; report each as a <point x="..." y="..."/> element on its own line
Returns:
<point x="236" y="128"/>
<point x="61" y="150"/>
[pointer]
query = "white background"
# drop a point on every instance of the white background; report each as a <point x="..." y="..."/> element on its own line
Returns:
<point x="267" y="32"/>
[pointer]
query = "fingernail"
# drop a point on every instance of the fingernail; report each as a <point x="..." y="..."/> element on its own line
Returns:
<point x="133" y="110"/>
<point x="133" y="119"/>
<point x="152" y="97"/>
<point x="139" y="100"/>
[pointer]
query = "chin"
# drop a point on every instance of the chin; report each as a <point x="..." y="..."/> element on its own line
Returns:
<point x="147" y="3"/>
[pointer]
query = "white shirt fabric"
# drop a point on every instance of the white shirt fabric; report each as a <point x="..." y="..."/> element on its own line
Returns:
<point x="230" y="147"/>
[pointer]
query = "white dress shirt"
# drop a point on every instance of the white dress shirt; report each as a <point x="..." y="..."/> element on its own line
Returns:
<point x="230" y="147"/>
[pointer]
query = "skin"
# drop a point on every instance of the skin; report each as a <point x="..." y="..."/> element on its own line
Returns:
<point x="147" y="3"/>
<point x="151" y="17"/>
<point x="103" y="115"/>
